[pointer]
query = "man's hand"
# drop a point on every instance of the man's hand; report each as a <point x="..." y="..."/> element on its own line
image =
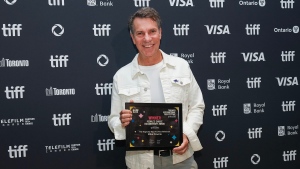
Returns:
<point x="183" y="147"/>
<point x="126" y="116"/>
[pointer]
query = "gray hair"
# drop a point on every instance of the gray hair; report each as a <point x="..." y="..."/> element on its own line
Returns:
<point x="146" y="12"/>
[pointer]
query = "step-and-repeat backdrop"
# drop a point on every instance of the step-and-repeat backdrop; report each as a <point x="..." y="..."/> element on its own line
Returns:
<point x="58" y="57"/>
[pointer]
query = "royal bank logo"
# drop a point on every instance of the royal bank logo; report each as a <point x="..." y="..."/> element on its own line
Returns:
<point x="288" y="106"/>
<point x="62" y="148"/>
<point x="141" y="3"/>
<point x="103" y="88"/>
<point x="102" y="60"/>
<point x="59" y="92"/>
<point x="181" y="29"/>
<point x="13" y="63"/>
<point x="254" y="56"/>
<point x="287" y="4"/>
<point x="289" y="155"/>
<point x="219" y="110"/>
<point x="101" y="3"/>
<point x="288" y="130"/>
<point x="260" y="3"/>
<point x="99" y="118"/>
<point x="217" y="29"/>
<point x="11" y="29"/>
<point x="189" y="57"/>
<point x="101" y="30"/>
<point x="252" y="29"/>
<point x="106" y="144"/>
<point x="17" y="151"/>
<point x="61" y="119"/>
<point x="58" y="30"/>
<point x="220" y="135"/>
<point x="56" y="2"/>
<point x="256" y="108"/>
<point x="254" y="133"/>
<point x="10" y="2"/>
<point x="59" y="61"/>
<point x="181" y="3"/>
<point x="253" y="82"/>
<point x="255" y="159"/>
<point x="216" y="3"/>
<point x="14" y="92"/>
<point x="220" y="162"/>
<point x="17" y="122"/>
<point x="295" y="29"/>
<point x="287" y="81"/>
<point x="220" y="84"/>
<point x="218" y="57"/>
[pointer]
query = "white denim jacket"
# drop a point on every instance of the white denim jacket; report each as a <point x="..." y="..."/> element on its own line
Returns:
<point x="179" y="86"/>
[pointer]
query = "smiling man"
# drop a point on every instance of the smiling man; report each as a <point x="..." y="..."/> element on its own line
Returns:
<point x="155" y="77"/>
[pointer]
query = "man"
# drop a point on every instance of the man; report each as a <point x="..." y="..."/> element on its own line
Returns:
<point x="155" y="77"/>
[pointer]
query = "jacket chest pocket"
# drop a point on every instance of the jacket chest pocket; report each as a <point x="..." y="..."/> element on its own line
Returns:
<point x="180" y="88"/>
<point x="132" y="93"/>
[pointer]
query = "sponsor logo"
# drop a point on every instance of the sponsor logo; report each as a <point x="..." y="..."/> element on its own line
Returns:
<point x="14" y="92"/>
<point x="254" y="133"/>
<point x="253" y="56"/>
<point x="10" y="2"/>
<point x="289" y="155"/>
<point x="187" y="57"/>
<point x="62" y="148"/>
<point x="106" y="145"/>
<point x="220" y="162"/>
<point x="288" y="105"/>
<point x="99" y="118"/>
<point x="17" y="122"/>
<point x="59" y="61"/>
<point x="295" y="29"/>
<point x="55" y="28"/>
<point x="288" y="4"/>
<point x="104" y="88"/>
<point x="59" y="92"/>
<point x="14" y="63"/>
<point x="12" y="30"/>
<point x="261" y="3"/>
<point x="220" y="135"/>
<point x="252" y="29"/>
<point x="253" y="82"/>
<point x="17" y="151"/>
<point x="288" y="130"/>
<point x="221" y="84"/>
<point x="287" y="56"/>
<point x="101" y="30"/>
<point x="181" y="3"/>
<point x="257" y="108"/>
<point x="217" y="29"/>
<point x="216" y="3"/>
<point x="141" y="3"/>
<point x="61" y="119"/>
<point x="287" y="81"/>
<point x="56" y="2"/>
<point x="219" y="110"/>
<point x="218" y="57"/>
<point x="102" y="60"/>
<point x="255" y="159"/>
<point x="101" y="3"/>
<point x="181" y="30"/>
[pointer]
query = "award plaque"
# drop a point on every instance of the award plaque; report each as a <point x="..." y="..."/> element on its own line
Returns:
<point x="154" y="126"/>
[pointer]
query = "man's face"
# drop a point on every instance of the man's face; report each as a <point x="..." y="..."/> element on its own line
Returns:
<point x="146" y="37"/>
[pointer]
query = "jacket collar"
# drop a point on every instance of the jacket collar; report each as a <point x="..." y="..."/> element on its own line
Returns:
<point x="167" y="61"/>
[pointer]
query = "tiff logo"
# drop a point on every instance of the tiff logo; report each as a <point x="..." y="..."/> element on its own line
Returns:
<point x="106" y="145"/>
<point x="253" y="82"/>
<point x="287" y="81"/>
<point x="12" y="30"/>
<point x="14" y="92"/>
<point x="287" y="56"/>
<point x="101" y="30"/>
<point x="56" y="2"/>
<point x="287" y="4"/>
<point x="17" y="151"/>
<point x="181" y="3"/>
<point x="61" y="119"/>
<point x="253" y="56"/>
<point x="59" y="61"/>
<point x="216" y="3"/>
<point x="10" y="2"/>
<point x="217" y="29"/>
<point x="220" y="162"/>
<point x="219" y="110"/>
<point x="141" y="3"/>
<point x="218" y="57"/>
<point x="252" y="29"/>
<point x="103" y="89"/>
<point x="288" y="105"/>
<point x="181" y="30"/>
<point x="254" y="133"/>
<point x="289" y="155"/>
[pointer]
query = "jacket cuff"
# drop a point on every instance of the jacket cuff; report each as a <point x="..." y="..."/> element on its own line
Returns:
<point x="192" y="136"/>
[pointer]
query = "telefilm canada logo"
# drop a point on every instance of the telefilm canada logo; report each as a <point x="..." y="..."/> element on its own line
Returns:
<point x="13" y="63"/>
<point x="62" y="148"/>
<point x="189" y="57"/>
<point x="99" y="118"/>
<point x="221" y="84"/>
<point x="59" y="92"/>
<point x="288" y="130"/>
<point x="17" y="122"/>
<point x="261" y="3"/>
<point x="254" y="108"/>
<point x="100" y="3"/>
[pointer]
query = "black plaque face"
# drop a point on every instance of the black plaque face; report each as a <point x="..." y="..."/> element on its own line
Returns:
<point x="154" y="126"/>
